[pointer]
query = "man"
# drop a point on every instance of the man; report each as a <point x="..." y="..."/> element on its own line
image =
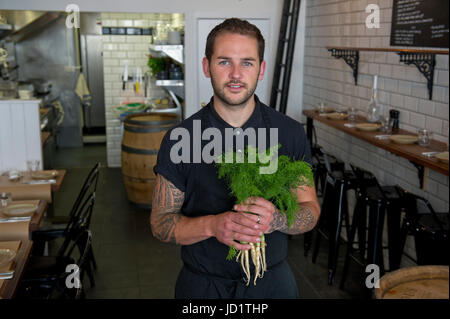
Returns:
<point x="192" y="207"/>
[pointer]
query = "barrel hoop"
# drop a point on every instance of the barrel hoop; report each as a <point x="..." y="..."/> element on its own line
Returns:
<point x="138" y="150"/>
<point x="130" y="121"/>
<point x="144" y="129"/>
<point x="140" y="180"/>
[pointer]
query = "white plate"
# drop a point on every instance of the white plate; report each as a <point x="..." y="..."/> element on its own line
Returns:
<point x="403" y="139"/>
<point x="20" y="210"/>
<point x="443" y="157"/>
<point x="44" y="174"/>
<point x="6" y="256"/>
<point x="367" y="126"/>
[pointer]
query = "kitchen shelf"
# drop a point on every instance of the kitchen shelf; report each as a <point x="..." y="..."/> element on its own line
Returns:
<point x="423" y="59"/>
<point x="173" y="51"/>
<point x="176" y="86"/>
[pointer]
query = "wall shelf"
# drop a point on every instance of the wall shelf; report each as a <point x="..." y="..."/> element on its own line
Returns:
<point x="423" y="59"/>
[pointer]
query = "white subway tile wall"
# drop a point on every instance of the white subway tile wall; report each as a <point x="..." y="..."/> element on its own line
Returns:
<point x="403" y="87"/>
<point x="117" y="51"/>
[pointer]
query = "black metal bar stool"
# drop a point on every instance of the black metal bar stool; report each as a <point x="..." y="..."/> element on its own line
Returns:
<point x="430" y="231"/>
<point x="380" y="200"/>
<point x="320" y="173"/>
<point x="334" y="212"/>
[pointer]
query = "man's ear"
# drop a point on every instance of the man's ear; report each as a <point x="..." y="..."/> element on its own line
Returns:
<point x="205" y="64"/>
<point x="262" y="70"/>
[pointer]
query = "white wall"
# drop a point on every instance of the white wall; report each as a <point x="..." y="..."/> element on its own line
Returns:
<point x="191" y="9"/>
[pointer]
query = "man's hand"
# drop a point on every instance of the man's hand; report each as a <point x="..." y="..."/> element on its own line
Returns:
<point x="271" y="219"/>
<point x="230" y="228"/>
<point x="262" y="212"/>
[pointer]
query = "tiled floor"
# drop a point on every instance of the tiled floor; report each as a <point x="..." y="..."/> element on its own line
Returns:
<point x="133" y="264"/>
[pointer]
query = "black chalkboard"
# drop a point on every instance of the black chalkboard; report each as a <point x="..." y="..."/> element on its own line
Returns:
<point x="420" y="23"/>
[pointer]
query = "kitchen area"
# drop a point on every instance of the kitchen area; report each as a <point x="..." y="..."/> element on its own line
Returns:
<point x="85" y="80"/>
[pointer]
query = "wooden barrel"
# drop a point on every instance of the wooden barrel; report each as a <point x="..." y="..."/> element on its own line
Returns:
<point x="142" y="136"/>
<point x="420" y="282"/>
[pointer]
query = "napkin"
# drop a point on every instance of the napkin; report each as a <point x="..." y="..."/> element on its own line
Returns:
<point x="27" y="191"/>
<point x="15" y="231"/>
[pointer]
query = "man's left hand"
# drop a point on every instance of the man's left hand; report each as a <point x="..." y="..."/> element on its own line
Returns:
<point x="262" y="212"/>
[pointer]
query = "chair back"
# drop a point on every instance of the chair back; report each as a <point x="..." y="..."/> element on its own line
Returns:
<point x="89" y="187"/>
<point x="80" y="221"/>
<point x="72" y="287"/>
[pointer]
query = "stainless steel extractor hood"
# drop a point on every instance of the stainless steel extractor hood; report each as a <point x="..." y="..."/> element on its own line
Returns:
<point x="23" y="24"/>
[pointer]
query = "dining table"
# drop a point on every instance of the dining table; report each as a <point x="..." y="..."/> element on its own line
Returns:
<point x="11" y="273"/>
<point x="421" y="157"/>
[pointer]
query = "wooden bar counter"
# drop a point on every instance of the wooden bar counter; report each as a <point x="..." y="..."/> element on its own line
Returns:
<point x="412" y="152"/>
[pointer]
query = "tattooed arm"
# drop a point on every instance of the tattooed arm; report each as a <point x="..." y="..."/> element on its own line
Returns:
<point x="167" y="222"/>
<point x="169" y="225"/>
<point x="305" y="220"/>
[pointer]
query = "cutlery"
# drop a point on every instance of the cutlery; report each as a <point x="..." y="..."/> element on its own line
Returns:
<point x="6" y="273"/>
<point x="429" y="154"/>
<point x="382" y="137"/>
<point x="42" y="181"/>
<point x="7" y="276"/>
<point x="14" y="219"/>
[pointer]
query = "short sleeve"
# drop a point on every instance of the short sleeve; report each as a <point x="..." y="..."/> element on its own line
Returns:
<point x="165" y="166"/>
<point x="301" y="147"/>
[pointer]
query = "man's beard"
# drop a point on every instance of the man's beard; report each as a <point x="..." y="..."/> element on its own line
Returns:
<point x="220" y="92"/>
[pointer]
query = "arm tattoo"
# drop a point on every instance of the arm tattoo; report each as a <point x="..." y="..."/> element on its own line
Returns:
<point x="166" y="205"/>
<point x="303" y="222"/>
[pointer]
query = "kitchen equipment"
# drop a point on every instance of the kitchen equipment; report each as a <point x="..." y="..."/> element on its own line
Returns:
<point x="41" y="86"/>
<point x="125" y="76"/>
<point x="25" y="90"/>
<point x="174" y="37"/>
<point x="175" y="72"/>
<point x="8" y="90"/>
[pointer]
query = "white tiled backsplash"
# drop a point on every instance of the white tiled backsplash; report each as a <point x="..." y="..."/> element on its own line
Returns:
<point x="117" y="49"/>
<point x="403" y="87"/>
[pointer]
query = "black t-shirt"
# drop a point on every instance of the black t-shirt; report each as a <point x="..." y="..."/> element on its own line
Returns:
<point x="206" y="194"/>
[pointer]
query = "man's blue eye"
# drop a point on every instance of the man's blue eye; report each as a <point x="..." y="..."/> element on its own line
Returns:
<point x="223" y="62"/>
<point x="247" y="64"/>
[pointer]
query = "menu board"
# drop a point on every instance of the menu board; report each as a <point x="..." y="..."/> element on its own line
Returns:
<point x="420" y="23"/>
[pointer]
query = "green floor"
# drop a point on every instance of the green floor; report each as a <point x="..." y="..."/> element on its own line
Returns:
<point x="133" y="264"/>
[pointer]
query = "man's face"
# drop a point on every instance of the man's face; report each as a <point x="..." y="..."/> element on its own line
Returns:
<point x="234" y="68"/>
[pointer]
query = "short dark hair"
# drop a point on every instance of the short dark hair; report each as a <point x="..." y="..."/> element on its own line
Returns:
<point x="236" y="26"/>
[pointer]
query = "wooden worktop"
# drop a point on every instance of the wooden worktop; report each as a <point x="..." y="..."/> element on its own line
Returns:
<point x="412" y="152"/>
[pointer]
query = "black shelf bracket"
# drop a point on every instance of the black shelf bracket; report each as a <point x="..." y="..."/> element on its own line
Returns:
<point x="425" y="63"/>
<point x="350" y="56"/>
<point x="420" y="173"/>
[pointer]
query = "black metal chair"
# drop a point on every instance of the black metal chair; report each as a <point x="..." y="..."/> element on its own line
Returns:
<point x="59" y="277"/>
<point x="429" y="228"/>
<point x="43" y="236"/>
<point x="320" y="173"/>
<point x="334" y="211"/>
<point x="80" y="221"/>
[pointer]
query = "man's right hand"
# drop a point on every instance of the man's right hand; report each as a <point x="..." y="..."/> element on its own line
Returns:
<point x="231" y="228"/>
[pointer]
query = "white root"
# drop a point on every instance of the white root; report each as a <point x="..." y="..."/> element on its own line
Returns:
<point x="258" y="256"/>
<point x="256" y="262"/>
